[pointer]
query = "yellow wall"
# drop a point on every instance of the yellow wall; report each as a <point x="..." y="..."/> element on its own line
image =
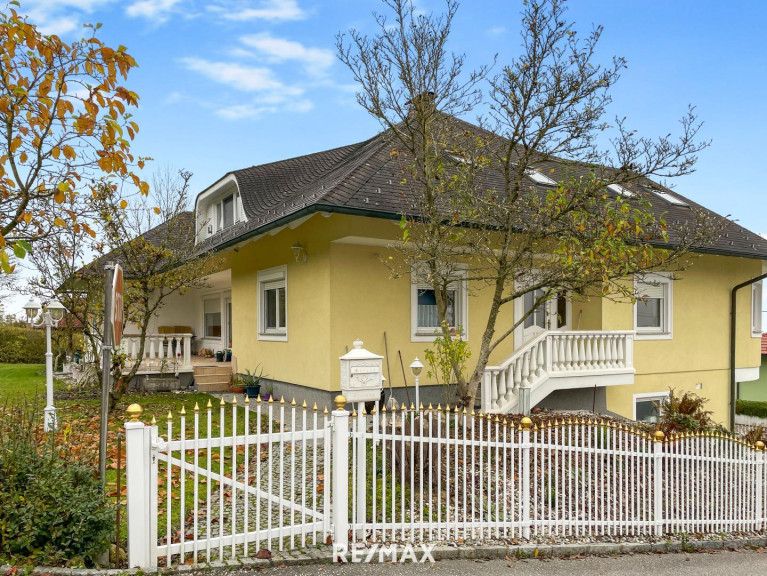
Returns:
<point x="303" y="359"/>
<point x="698" y="352"/>
<point x="344" y="292"/>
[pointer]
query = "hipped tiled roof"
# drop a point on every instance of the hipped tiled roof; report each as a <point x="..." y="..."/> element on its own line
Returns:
<point x="366" y="179"/>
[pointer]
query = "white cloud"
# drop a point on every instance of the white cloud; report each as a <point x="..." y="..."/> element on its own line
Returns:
<point x="316" y="60"/>
<point x="238" y="76"/>
<point x="61" y="17"/>
<point x="244" y="111"/>
<point x="58" y="26"/>
<point x="157" y="10"/>
<point x="272" y="10"/>
<point x="497" y="31"/>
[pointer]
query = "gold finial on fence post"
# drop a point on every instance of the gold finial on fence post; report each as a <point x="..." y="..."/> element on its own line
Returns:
<point x="526" y="423"/>
<point x="134" y="412"/>
<point x="759" y="445"/>
<point x="659" y="435"/>
<point x="340" y="401"/>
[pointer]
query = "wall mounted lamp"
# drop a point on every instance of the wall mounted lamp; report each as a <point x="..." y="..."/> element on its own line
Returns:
<point x="298" y="252"/>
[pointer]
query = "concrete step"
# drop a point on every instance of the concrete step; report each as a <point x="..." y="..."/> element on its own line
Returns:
<point x="213" y="370"/>
<point x="213" y="387"/>
<point x="211" y="378"/>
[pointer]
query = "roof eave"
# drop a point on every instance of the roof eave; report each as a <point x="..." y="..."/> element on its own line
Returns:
<point x="315" y="208"/>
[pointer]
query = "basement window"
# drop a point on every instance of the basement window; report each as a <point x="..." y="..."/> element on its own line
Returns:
<point x="647" y="407"/>
<point x="273" y="304"/>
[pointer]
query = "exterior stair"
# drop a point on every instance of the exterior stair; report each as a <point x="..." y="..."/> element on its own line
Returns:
<point x="213" y="378"/>
<point x="556" y="360"/>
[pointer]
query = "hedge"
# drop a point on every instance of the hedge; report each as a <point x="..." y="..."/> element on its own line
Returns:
<point x="751" y="408"/>
<point x="19" y="345"/>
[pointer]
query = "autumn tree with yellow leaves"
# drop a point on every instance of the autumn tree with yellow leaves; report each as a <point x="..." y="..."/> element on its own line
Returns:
<point x="67" y="129"/>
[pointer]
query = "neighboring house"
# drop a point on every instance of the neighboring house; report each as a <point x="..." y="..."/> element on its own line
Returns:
<point x="757" y="389"/>
<point x="304" y="239"/>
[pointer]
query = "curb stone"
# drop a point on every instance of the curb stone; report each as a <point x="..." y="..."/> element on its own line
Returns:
<point x="443" y="552"/>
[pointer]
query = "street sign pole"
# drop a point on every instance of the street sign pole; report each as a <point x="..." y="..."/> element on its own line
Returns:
<point x="106" y="361"/>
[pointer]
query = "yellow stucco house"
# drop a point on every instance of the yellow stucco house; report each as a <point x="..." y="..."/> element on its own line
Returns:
<point x="304" y="239"/>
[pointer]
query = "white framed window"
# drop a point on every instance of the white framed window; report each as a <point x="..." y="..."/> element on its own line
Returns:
<point x="212" y="317"/>
<point x="653" y="308"/>
<point x="756" y="310"/>
<point x="227" y="212"/>
<point x="424" y="318"/>
<point x="647" y="407"/>
<point x="273" y="304"/>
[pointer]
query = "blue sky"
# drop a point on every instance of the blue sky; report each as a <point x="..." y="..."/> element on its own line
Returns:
<point x="229" y="83"/>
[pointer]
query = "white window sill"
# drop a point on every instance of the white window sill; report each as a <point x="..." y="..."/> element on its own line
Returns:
<point x="424" y="337"/>
<point x="756" y="334"/>
<point x="273" y="337"/>
<point x="653" y="336"/>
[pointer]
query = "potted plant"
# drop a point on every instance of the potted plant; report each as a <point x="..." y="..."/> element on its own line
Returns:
<point x="252" y="381"/>
<point x="236" y="385"/>
<point x="268" y="391"/>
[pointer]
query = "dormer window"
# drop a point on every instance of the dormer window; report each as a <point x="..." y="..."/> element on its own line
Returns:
<point x="226" y="211"/>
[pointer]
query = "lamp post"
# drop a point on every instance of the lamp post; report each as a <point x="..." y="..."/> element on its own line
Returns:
<point x="416" y="368"/>
<point x="52" y="315"/>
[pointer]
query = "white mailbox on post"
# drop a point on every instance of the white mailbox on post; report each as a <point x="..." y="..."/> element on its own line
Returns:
<point x="361" y="374"/>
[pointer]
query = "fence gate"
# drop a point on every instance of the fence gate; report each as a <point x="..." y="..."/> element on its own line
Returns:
<point x="224" y="483"/>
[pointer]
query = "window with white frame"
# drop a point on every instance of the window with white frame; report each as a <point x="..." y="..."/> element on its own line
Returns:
<point x="226" y="212"/>
<point x="652" y="310"/>
<point x="212" y="317"/>
<point x="273" y="304"/>
<point x="648" y="407"/>
<point x="424" y="316"/>
<point x="756" y="309"/>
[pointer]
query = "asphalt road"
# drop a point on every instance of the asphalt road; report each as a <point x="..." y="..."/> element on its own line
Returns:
<point x="740" y="563"/>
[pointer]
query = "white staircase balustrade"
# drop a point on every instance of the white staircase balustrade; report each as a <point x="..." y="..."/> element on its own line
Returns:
<point x="173" y="351"/>
<point x="559" y="360"/>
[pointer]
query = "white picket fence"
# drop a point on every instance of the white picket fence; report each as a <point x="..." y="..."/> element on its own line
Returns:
<point x="428" y="475"/>
<point x="253" y="483"/>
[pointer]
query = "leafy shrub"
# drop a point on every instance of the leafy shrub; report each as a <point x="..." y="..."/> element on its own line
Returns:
<point x="52" y="509"/>
<point x="751" y="408"/>
<point x="685" y="413"/>
<point x="21" y="345"/>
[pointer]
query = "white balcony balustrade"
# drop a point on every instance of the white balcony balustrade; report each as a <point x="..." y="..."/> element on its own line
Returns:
<point x="162" y="352"/>
<point x="556" y="361"/>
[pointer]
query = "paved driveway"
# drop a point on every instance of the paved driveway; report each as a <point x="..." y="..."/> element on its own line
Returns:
<point x="740" y="563"/>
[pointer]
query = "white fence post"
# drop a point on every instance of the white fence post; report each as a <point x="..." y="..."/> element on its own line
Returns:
<point x="657" y="492"/>
<point x="340" y="475"/>
<point x="525" y="497"/>
<point x="759" y="504"/>
<point x="138" y="477"/>
<point x="362" y="464"/>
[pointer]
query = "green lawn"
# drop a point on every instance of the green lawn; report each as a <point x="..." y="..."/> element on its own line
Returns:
<point x="21" y="380"/>
<point x="79" y="421"/>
